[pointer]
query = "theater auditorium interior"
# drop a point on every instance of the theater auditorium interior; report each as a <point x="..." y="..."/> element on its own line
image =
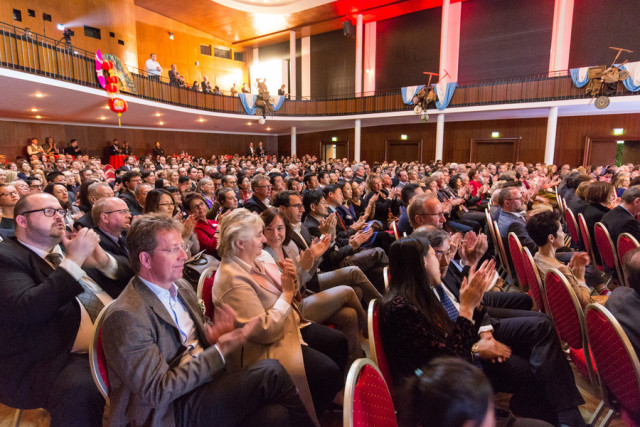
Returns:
<point x="346" y="212"/>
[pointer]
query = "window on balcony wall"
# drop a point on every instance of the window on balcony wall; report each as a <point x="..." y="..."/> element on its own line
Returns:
<point x="238" y="56"/>
<point x="222" y="52"/>
<point x="92" y="32"/>
<point x="205" y="49"/>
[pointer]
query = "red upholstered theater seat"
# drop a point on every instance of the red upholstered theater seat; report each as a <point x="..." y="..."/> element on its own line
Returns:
<point x="367" y="399"/>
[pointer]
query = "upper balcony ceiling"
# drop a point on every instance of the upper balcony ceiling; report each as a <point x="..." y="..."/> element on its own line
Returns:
<point x="254" y="22"/>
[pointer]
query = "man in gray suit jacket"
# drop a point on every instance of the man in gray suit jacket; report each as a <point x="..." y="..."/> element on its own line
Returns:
<point x="166" y="364"/>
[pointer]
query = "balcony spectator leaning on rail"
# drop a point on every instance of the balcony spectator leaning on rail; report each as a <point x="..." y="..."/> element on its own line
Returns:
<point x="153" y="67"/>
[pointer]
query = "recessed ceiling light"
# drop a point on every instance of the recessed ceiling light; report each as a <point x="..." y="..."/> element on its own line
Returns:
<point x="160" y="123"/>
<point x="249" y="124"/>
<point x="106" y="107"/>
<point x="201" y="119"/>
<point x="103" y="118"/>
<point x="157" y="114"/>
<point x="268" y="128"/>
<point x="38" y="117"/>
<point x="39" y="95"/>
<point x="34" y="109"/>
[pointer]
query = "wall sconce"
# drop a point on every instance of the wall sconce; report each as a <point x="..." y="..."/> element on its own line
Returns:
<point x="170" y="35"/>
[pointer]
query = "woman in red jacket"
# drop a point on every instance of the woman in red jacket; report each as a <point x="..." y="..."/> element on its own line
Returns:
<point x="205" y="229"/>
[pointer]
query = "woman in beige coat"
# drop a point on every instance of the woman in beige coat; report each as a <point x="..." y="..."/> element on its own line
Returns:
<point x="314" y="355"/>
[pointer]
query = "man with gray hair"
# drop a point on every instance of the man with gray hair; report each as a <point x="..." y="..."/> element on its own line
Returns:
<point x="95" y="192"/>
<point x="358" y="170"/>
<point x="166" y="361"/>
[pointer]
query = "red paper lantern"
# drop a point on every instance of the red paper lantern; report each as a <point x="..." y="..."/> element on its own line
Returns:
<point x="118" y="105"/>
<point x="107" y="65"/>
<point x="112" y="79"/>
<point x="111" y="88"/>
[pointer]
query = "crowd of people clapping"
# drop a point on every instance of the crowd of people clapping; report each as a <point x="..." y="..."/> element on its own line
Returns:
<point x="298" y="243"/>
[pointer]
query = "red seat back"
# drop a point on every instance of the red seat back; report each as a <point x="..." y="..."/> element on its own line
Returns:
<point x="368" y="402"/>
<point x="515" y="249"/>
<point x="617" y="362"/>
<point x="204" y="291"/>
<point x="586" y="238"/>
<point x="375" y="342"/>
<point x="572" y="225"/>
<point x="626" y="243"/>
<point x="97" y="360"/>
<point x="565" y="308"/>
<point x="605" y="245"/>
<point x="533" y="280"/>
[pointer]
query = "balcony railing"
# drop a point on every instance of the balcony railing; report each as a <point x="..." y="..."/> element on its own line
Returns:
<point x="37" y="54"/>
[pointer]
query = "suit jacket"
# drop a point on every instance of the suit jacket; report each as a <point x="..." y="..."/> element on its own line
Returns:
<point x="124" y="273"/>
<point x="143" y="349"/>
<point x="332" y="256"/>
<point x="114" y="150"/>
<point x="39" y="321"/>
<point x="130" y="199"/>
<point x="277" y="336"/>
<point x="255" y="205"/>
<point x="575" y="203"/>
<point x="623" y="303"/>
<point x="619" y="220"/>
<point x="85" y="221"/>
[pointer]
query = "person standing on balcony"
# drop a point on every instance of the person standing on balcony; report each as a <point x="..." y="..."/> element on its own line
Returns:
<point x="154" y="70"/>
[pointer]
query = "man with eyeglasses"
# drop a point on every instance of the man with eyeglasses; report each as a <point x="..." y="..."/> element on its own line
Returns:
<point x="48" y="305"/>
<point x="259" y="201"/>
<point x="166" y="360"/>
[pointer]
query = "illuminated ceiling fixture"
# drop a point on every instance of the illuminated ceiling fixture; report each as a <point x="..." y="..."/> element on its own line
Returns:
<point x="103" y="118"/>
<point x="157" y="114"/>
<point x="201" y="120"/>
<point x="268" y="129"/>
<point x="38" y="117"/>
<point x="39" y="95"/>
<point x="249" y="124"/>
<point x="34" y="109"/>
<point x="161" y="123"/>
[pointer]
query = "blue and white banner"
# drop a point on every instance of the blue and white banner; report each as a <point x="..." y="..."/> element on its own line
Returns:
<point x="248" y="100"/>
<point x="278" y="100"/>
<point x="579" y="76"/>
<point x="444" y="92"/>
<point x="632" y="83"/>
<point x="409" y="92"/>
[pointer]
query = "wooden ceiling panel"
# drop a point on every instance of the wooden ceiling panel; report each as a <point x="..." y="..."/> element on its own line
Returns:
<point x="250" y="29"/>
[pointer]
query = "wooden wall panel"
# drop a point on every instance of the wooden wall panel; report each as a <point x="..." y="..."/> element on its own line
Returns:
<point x="116" y="16"/>
<point x="570" y="137"/>
<point x="184" y="50"/>
<point x="93" y="139"/>
<point x="333" y="65"/>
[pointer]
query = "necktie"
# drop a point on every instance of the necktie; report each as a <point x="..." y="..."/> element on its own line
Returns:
<point x="123" y="246"/>
<point x="89" y="300"/>
<point x="451" y="309"/>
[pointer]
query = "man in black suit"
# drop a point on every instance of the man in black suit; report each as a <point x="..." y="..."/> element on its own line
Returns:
<point x="624" y="303"/>
<point x="114" y="149"/>
<point x="622" y="219"/>
<point x="47" y="309"/>
<point x="259" y="201"/>
<point x="130" y="181"/>
<point x="112" y="218"/>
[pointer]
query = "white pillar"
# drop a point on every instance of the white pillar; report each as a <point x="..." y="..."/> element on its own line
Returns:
<point x="293" y="141"/>
<point x="440" y="137"/>
<point x="305" y="53"/>
<point x="292" y="65"/>
<point x="550" y="145"/>
<point x="359" y="56"/>
<point x="561" y="36"/>
<point x="356" y="145"/>
<point x="369" y="66"/>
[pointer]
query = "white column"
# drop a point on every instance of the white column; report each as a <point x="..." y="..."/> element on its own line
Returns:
<point x="359" y="56"/>
<point x="292" y="65"/>
<point x="305" y="53"/>
<point x="440" y="137"/>
<point x="369" y="65"/>
<point x="550" y="145"/>
<point x="293" y="141"/>
<point x="356" y="144"/>
<point x="561" y="36"/>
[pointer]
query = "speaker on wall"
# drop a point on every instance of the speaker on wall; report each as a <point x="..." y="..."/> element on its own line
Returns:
<point x="349" y="29"/>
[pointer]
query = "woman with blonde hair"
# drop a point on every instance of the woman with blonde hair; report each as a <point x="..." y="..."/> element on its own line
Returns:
<point x="314" y="355"/>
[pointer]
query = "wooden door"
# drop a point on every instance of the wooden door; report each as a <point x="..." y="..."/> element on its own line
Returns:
<point x="334" y="150"/>
<point x="492" y="150"/>
<point x="403" y="150"/>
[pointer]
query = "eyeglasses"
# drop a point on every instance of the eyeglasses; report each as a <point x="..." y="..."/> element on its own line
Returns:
<point x="198" y="206"/>
<point x="298" y="206"/>
<point x="11" y="193"/>
<point x="176" y="250"/>
<point x="263" y="186"/>
<point x="48" y="212"/>
<point x="432" y="214"/>
<point x="122" y="211"/>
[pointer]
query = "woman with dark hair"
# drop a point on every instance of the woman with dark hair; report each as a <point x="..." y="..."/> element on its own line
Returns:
<point x="338" y="306"/>
<point x="446" y="392"/>
<point x="415" y="327"/>
<point x="59" y="191"/>
<point x="161" y="201"/>
<point x="226" y="201"/>
<point x="600" y="197"/>
<point x="9" y="196"/>
<point x="244" y="192"/>
<point x="205" y="229"/>
<point x="149" y="177"/>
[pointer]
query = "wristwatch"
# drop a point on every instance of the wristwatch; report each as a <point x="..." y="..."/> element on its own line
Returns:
<point x="475" y="351"/>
